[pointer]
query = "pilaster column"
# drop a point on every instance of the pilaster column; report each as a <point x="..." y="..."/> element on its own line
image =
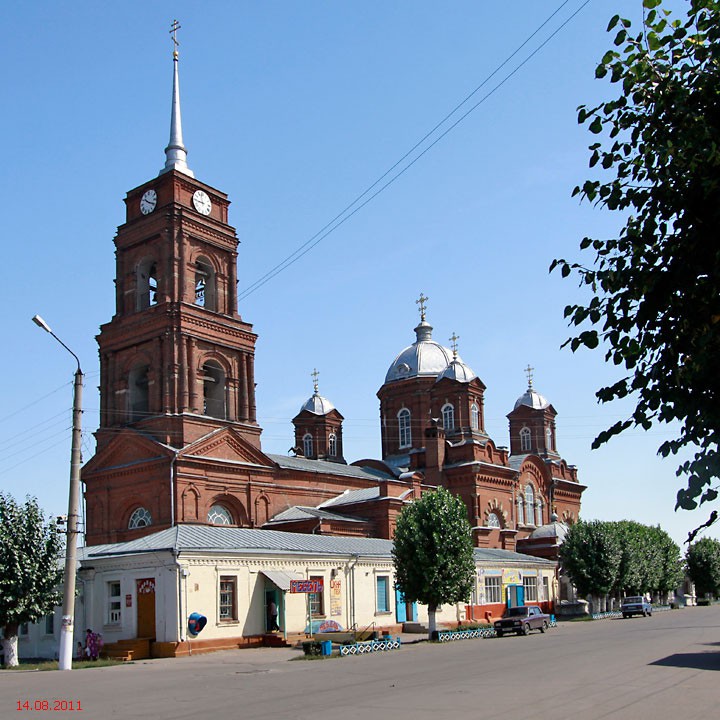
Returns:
<point x="244" y="392"/>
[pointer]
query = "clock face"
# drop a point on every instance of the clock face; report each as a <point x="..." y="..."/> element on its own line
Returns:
<point x="148" y="202"/>
<point x="202" y="203"/>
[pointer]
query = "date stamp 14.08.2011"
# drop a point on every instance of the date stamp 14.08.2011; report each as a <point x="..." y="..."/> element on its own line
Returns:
<point x="53" y="705"/>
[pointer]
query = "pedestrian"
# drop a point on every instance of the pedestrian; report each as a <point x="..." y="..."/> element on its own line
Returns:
<point x="273" y="616"/>
<point x="93" y="645"/>
<point x="88" y="642"/>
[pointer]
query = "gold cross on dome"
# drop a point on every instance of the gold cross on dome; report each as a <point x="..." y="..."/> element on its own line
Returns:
<point x="453" y="343"/>
<point x="529" y="373"/>
<point x="173" y="31"/>
<point x="421" y="302"/>
<point x="315" y="375"/>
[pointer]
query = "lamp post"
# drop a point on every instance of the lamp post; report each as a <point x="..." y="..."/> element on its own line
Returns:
<point x="73" y="520"/>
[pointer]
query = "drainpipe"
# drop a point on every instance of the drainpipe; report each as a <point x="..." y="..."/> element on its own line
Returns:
<point x="172" y="488"/>
<point x="351" y="593"/>
<point x="182" y="573"/>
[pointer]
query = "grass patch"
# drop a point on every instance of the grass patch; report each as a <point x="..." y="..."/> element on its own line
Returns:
<point x="43" y="664"/>
<point x="335" y="654"/>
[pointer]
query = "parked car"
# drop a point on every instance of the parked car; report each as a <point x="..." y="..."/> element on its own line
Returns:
<point x="635" y="605"/>
<point x="521" y="620"/>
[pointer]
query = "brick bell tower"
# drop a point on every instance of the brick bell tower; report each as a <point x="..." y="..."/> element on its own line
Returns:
<point x="176" y="360"/>
<point x="177" y="388"/>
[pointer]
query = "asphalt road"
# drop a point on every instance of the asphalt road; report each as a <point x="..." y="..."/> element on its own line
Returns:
<point x="662" y="667"/>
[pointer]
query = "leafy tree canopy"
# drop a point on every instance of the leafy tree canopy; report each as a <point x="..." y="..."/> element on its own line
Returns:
<point x="703" y="563"/>
<point x="433" y="551"/>
<point x="623" y="557"/>
<point x="591" y="555"/>
<point x="655" y="289"/>
<point x="30" y="572"/>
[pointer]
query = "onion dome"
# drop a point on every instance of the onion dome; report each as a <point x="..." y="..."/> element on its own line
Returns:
<point x="457" y="370"/>
<point x="317" y="404"/>
<point x="424" y="357"/>
<point x="554" y="530"/>
<point x="531" y="398"/>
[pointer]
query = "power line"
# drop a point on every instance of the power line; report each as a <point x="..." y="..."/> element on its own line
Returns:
<point x="339" y="220"/>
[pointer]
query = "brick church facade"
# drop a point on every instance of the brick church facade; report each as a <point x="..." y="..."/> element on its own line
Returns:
<point x="179" y="441"/>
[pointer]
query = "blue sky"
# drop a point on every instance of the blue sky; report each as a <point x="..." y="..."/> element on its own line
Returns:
<point x="294" y="109"/>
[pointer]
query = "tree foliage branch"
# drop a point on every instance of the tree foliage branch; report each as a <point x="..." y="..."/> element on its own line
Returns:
<point x="655" y="288"/>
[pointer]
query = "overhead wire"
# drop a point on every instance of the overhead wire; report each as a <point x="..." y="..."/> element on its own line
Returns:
<point x="344" y="215"/>
<point x="356" y="205"/>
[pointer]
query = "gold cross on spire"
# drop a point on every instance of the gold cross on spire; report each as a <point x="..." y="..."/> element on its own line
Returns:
<point x="173" y="31"/>
<point x="529" y="373"/>
<point x="421" y="302"/>
<point x="315" y="374"/>
<point x="453" y="344"/>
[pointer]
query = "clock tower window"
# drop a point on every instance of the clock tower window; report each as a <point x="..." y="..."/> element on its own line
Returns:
<point x="138" y="396"/>
<point x="205" y="285"/>
<point x="146" y="284"/>
<point x="214" y="401"/>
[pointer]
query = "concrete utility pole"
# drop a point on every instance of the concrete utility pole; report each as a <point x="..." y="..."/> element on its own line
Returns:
<point x="73" y="520"/>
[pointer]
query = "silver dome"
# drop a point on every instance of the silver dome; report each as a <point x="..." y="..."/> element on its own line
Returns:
<point x="459" y="371"/>
<point x="318" y="405"/>
<point x="532" y="399"/>
<point x="423" y="358"/>
<point x="553" y="529"/>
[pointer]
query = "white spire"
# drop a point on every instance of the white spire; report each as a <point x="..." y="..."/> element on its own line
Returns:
<point x="175" y="153"/>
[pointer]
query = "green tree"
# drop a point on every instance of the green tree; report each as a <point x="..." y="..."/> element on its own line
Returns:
<point x="632" y="571"/>
<point x="703" y="564"/>
<point x="669" y="565"/>
<point x="433" y="552"/>
<point x="30" y="571"/>
<point x="591" y="555"/>
<point x="655" y="289"/>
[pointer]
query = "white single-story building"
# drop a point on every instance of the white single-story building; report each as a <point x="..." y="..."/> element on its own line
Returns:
<point x="149" y="587"/>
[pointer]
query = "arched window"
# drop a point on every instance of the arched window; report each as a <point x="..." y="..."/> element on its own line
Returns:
<point x="404" y="430"/>
<point x="146" y="284"/>
<point x="448" y="417"/>
<point x="205" y="285"/>
<point x="548" y="439"/>
<point x="520" y="511"/>
<point x="530" y="504"/>
<point x="307" y="445"/>
<point x="332" y="445"/>
<point x="220" y="515"/>
<point x="474" y="417"/>
<point x="525" y="439"/>
<point x="539" y="513"/>
<point x="213" y="390"/>
<point x="140" y="518"/>
<point x="493" y="520"/>
<point x="138" y="403"/>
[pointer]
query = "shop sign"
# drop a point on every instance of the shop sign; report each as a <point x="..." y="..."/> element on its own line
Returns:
<point x="307" y="586"/>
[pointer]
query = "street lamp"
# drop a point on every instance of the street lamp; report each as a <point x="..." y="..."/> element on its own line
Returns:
<point x="73" y="519"/>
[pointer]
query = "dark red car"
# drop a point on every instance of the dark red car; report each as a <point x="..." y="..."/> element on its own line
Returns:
<point x="521" y="620"/>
